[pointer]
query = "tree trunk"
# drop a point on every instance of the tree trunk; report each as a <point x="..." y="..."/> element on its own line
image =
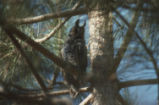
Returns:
<point x="101" y="54"/>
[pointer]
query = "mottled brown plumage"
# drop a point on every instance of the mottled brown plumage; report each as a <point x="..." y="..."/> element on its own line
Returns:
<point x="75" y="52"/>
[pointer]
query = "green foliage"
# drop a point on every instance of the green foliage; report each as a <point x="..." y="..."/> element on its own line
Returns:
<point x="14" y="68"/>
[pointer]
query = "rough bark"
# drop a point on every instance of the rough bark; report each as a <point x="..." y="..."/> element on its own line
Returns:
<point x="101" y="54"/>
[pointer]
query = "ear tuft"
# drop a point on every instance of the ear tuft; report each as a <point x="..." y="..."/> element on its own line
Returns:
<point x="84" y="24"/>
<point x="77" y="22"/>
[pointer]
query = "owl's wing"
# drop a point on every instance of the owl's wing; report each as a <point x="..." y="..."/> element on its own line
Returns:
<point x="80" y="53"/>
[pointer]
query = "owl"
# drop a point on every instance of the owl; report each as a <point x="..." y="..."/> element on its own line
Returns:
<point x="74" y="51"/>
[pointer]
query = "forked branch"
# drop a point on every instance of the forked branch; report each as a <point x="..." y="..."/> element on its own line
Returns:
<point x="125" y="42"/>
<point x="33" y="70"/>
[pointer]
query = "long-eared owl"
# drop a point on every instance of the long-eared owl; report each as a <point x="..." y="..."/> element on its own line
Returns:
<point x="74" y="51"/>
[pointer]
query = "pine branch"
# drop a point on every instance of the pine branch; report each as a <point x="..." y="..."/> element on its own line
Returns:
<point x="48" y="36"/>
<point x="68" y="67"/>
<point x="30" y="20"/>
<point x="33" y="70"/>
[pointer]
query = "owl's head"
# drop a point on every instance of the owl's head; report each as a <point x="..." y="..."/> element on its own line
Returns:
<point x="77" y="31"/>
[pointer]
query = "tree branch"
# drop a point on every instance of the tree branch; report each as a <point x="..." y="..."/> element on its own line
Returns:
<point x="39" y="98"/>
<point x="126" y="40"/>
<point x="33" y="70"/>
<point x="18" y="99"/>
<point x="48" y="36"/>
<point x="68" y="67"/>
<point x="63" y="92"/>
<point x="34" y="100"/>
<point x="154" y="62"/>
<point x="87" y="100"/>
<point x="149" y="52"/>
<point x="55" y="93"/>
<point x="41" y="95"/>
<point x="29" y="90"/>
<point x="137" y="82"/>
<point x="30" y="20"/>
